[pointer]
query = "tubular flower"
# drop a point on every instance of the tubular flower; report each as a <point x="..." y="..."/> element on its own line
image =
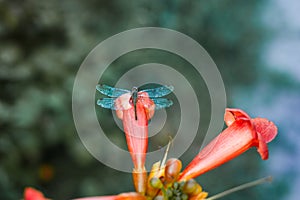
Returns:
<point x="123" y="196"/>
<point x="136" y="132"/>
<point x="33" y="194"/>
<point x="165" y="181"/>
<point x="241" y="134"/>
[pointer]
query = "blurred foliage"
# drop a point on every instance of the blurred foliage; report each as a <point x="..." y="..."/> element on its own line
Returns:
<point x="42" y="44"/>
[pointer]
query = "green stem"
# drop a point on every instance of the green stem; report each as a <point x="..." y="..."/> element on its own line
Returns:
<point x="241" y="187"/>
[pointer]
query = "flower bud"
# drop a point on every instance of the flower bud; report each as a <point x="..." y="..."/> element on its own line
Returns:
<point x="173" y="167"/>
<point x="190" y="186"/>
<point x="156" y="182"/>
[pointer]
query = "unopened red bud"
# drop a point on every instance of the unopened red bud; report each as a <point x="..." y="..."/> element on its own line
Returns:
<point x="173" y="168"/>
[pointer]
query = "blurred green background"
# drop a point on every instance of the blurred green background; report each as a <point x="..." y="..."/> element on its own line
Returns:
<point x="255" y="45"/>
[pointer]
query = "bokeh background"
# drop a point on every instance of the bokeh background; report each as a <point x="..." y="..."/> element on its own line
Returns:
<point x="255" y="44"/>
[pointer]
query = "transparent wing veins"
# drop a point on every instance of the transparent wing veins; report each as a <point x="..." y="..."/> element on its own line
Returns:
<point x="154" y="94"/>
<point x="111" y="91"/>
<point x="159" y="91"/>
<point x="162" y="103"/>
<point x="108" y="103"/>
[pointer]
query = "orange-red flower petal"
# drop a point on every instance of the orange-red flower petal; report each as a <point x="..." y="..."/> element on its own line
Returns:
<point x="241" y="134"/>
<point x="33" y="194"/>
<point x="123" y="196"/>
<point x="265" y="128"/>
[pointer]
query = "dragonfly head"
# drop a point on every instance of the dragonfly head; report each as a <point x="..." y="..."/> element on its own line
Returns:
<point x="134" y="90"/>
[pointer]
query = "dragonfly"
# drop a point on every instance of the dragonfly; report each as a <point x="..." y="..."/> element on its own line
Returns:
<point x="155" y="94"/>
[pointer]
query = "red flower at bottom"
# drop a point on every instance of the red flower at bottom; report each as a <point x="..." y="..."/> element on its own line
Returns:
<point x="33" y="194"/>
<point x="123" y="196"/>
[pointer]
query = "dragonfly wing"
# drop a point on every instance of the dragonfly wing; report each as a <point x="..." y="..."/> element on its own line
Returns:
<point x="111" y="91"/>
<point x="159" y="91"/>
<point x="108" y="103"/>
<point x="162" y="103"/>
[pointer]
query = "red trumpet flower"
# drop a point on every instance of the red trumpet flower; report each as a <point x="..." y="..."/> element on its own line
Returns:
<point x="136" y="129"/>
<point x="135" y="122"/>
<point x="33" y="194"/>
<point x="123" y="196"/>
<point x="241" y="134"/>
